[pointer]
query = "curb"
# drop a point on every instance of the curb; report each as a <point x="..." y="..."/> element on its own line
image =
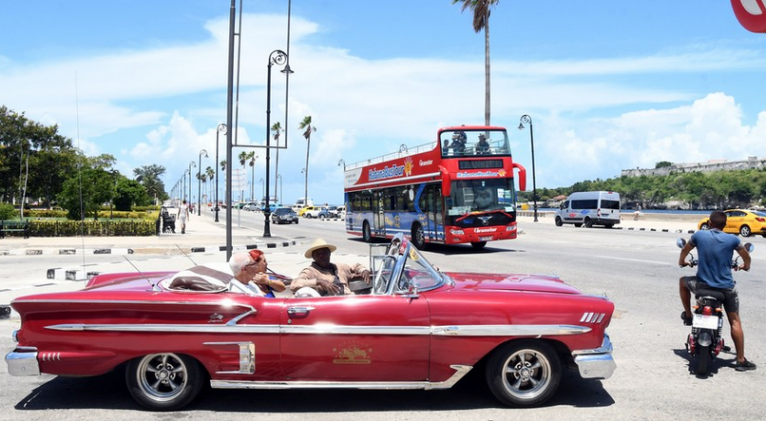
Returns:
<point x="141" y="250"/>
<point x="79" y="274"/>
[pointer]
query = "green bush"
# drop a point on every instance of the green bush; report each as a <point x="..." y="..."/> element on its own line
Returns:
<point x="92" y="228"/>
<point x="7" y="211"/>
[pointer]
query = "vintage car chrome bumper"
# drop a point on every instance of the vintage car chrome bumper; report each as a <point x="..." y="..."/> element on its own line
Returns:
<point x="22" y="361"/>
<point x="596" y="363"/>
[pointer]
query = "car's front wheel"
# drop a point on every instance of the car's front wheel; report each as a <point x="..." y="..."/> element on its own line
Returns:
<point x="524" y="373"/>
<point x="559" y="222"/>
<point x="164" y="382"/>
<point x="744" y="231"/>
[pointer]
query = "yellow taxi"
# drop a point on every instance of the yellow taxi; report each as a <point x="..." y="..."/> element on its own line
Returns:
<point x="741" y="221"/>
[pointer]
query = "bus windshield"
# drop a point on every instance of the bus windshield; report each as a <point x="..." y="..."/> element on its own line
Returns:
<point x="481" y="195"/>
<point x="474" y="143"/>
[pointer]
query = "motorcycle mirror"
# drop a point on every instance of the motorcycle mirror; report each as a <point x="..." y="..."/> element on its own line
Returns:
<point x="680" y="243"/>
<point x="749" y="247"/>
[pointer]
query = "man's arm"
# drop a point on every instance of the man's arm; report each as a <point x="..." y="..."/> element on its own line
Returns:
<point x="745" y="255"/>
<point x="685" y="252"/>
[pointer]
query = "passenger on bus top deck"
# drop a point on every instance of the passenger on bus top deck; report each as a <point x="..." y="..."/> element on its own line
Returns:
<point x="445" y="147"/>
<point x="458" y="142"/>
<point x="482" y="147"/>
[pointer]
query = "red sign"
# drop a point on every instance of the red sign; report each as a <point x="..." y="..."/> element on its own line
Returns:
<point x="751" y="14"/>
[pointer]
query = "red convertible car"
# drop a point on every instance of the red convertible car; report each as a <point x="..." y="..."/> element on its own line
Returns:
<point x="418" y="328"/>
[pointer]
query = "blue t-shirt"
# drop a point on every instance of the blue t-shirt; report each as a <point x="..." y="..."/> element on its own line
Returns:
<point x="714" y="250"/>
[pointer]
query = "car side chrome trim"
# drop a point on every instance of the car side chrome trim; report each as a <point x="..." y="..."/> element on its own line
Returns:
<point x="460" y="372"/>
<point x="191" y="328"/>
<point x="456" y="330"/>
<point x="509" y="330"/>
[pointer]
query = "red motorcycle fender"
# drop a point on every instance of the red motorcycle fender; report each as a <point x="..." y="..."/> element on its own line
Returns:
<point x="704" y="338"/>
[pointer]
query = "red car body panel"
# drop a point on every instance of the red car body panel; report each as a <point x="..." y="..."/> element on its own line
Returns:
<point x="409" y="338"/>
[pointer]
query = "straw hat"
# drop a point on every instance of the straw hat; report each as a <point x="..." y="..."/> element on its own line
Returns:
<point x="319" y="243"/>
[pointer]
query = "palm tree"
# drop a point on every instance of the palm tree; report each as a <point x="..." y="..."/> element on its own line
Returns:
<point x="308" y="129"/>
<point x="210" y="175"/>
<point x="276" y="128"/>
<point x="149" y="177"/>
<point x="249" y="157"/>
<point x="481" y="10"/>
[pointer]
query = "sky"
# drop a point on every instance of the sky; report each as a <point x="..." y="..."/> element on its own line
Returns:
<point x="609" y="85"/>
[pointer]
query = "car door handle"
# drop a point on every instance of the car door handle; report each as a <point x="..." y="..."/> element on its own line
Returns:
<point x="299" y="311"/>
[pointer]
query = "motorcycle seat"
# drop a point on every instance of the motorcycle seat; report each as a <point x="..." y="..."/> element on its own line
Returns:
<point x="712" y="293"/>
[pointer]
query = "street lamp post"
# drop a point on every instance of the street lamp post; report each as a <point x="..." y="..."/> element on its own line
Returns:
<point x="277" y="57"/>
<point x="526" y="119"/>
<point x="220" y="129"/>
<point x="191" y="164"/>
<point x="262" y="191"/>
<point x="199" y="182"/>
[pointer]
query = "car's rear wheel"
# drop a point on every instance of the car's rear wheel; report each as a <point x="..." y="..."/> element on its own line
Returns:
<point x="745" y="231"/>
<point x="164" y="382"/>
<point x="524" y="373"/>
<point x="578" y="225"/>
<point x="704" y="226"/>
<point x="588" y="223"/>
<point x="559" y="222"/>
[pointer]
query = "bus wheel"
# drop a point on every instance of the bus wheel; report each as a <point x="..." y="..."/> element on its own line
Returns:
<point x="559" y="222"/>
<point x="418" y="237"/>
<point x="366" y="234"/>
<point x="478" y="245"/>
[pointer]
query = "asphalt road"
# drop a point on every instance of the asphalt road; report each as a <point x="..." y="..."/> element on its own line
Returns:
<point x="637" y="270"/>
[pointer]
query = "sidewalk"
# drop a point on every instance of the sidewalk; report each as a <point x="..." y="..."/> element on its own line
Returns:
<point x="203" y="234"/>
<point x="674" y="223"/>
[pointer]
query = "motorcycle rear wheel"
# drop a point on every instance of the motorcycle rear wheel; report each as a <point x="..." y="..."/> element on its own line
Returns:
<point x="703" y="358"/>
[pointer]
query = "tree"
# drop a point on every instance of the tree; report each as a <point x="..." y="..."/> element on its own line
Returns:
<point x="481" y="10"/>
<point x="149" y="177"/>
<point x="307" y="130"/>
<point x="35" y="159"/>
<point x="663" y="164"/>
<point x="249" y="158"/>
<point x="129" y="193"/>
<point x="210" y="175"/>
<point x="276" y="129"/>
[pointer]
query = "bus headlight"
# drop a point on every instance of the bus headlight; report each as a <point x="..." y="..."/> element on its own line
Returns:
<point x="456" y="232"/>
<point x="510" y="228"/>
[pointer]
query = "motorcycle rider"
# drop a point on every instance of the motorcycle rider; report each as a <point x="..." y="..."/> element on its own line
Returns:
<point x="715" y="248"/>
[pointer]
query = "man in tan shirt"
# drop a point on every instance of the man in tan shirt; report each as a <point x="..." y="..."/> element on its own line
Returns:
<point x="325" y="277"/>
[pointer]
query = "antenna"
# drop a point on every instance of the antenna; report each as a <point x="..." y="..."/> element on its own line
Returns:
<point x="185" y="255"/>
<point x="154" y="286"/>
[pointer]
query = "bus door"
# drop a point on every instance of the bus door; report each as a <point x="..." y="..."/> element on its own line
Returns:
<point x="431" y="206"/>
<point x="379" y="216"/>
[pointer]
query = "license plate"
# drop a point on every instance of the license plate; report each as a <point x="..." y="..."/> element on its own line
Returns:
<point x="705" y="322"/>
<point x="489" y="238"/>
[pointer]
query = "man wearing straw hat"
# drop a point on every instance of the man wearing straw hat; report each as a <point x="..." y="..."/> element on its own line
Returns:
<point x="325" y="277"/>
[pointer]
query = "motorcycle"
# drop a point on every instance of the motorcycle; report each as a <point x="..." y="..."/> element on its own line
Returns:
<point x="705" y="341"/>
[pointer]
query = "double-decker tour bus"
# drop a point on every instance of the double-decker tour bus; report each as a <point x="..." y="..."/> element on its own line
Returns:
<point x="458" y="189"/>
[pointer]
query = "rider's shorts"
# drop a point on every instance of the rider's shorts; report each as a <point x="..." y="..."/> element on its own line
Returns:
<point x="731" y="297"/>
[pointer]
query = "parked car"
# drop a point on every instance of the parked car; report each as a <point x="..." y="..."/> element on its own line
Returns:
<point x="740" y="221"/>
<point x="310" y="212"/>
<point x="328" y="212"/>
<point x="416" y="328"/>
<point x="284" y="216"/>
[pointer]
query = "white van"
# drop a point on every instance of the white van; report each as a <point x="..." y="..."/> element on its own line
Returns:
<point x="590" y="208"/>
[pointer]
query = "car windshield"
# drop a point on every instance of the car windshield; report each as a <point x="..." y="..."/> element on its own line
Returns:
<point x="281" y="211"/>
<point x="402" y="267"/>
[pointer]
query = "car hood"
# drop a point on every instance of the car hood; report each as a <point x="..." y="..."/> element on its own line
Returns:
<point x="511" y="282"/>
